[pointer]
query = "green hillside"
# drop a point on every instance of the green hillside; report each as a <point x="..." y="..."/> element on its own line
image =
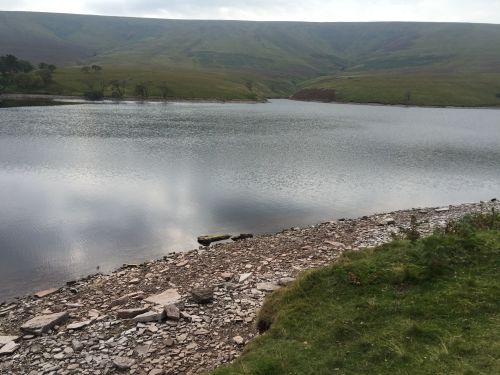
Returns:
<point x="247" y="59"/>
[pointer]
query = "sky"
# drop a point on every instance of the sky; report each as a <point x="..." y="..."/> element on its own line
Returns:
<point x="484" y="11"/>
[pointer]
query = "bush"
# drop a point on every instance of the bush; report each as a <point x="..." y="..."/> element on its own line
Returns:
<point x="94" y="95"/>
<point x="28" y="81"/>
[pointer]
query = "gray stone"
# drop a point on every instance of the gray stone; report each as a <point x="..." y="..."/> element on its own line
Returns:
<point x="172" y="312"/>
<point x="238" y="340"/>
<point x="9" y="348"/>
<point x="45" y="293"/>
<point x="6" y="339"/>
<point x="44" y="323"/>
<point x="242" y="236"/>
<point x="77" y="345"/>
<point x="227" y="276"/>
<point x="131" y="313"/>
<point x="442" y="209"/>
<point x="203" y="295"/>
<point x="168" y="297"/>
<point x="123" y="363"/>
<point x="267" y="287"/>
<point x="124" y="299"/>
<point x="244" y="277"/>
<point x="156" y="314"/>
<point x="207" y="240"/>
<point x="80" y="325"/>
<point x="286" y="281"/>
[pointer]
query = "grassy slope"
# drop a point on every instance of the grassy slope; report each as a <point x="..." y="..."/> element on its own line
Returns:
<point x="216" y="58"/>
<point x="466" y="89"/>
<point x="430" y="307"/>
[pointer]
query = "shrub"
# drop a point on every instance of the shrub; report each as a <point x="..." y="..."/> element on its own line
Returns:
<point x="94" y="95"/>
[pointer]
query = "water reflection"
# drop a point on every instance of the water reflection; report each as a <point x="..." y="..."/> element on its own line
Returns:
<point x="100" y="185"/>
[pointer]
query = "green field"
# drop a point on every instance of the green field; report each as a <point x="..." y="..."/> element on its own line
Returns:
<point x="468" y="89"/>
<point x="439" y="63"/>
<point x="431" y="306"/>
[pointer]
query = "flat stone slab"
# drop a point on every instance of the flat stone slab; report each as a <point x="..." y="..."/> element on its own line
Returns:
<point x="244" y="277"/>
<point x="9" y="348"/>
<point x="267" y="287"/>
<point x="131" y="313"/>
<point x="123" y="363"/>
<point x="6" y="339"/>
<point x="157" y="314"/>
<point x="44" y="323"/>
<point x="207" y="240"/>
<point x="168" y="297"/>
<point x="80" y="325"/>
<point x="45" y="293"/>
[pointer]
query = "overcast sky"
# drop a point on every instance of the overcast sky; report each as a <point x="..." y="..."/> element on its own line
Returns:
<point x="280" y="10"/>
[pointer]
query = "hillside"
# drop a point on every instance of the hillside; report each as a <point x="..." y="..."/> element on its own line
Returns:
<point x="278" y="58"/>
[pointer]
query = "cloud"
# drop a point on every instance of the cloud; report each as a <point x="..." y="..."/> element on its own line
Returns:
<point x="279" y="10"/>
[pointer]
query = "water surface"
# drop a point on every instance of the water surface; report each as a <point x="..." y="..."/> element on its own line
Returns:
<point x="105" y="184"/>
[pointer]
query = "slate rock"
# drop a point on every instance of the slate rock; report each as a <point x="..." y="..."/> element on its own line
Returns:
<point x="207" y="240"/>
<point x="172" y="312"/>
<point x="168" y="297"/>
<point x="202" y="295"/>
<point x="43" y="323"/>
<point x="9" y="348"/>
<point x="131" y="313"/>
<point x="123" y="363"/>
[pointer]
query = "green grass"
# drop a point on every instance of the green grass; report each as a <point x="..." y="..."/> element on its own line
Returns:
<point x="466" y="89"/>
<point x="183" y="83"/>
<point x="425" y="307"/>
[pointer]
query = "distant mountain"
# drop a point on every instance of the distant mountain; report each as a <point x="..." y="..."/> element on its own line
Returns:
<point x="291" y="52"/>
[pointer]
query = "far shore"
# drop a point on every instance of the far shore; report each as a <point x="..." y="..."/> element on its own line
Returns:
<point x="60" y="100"/>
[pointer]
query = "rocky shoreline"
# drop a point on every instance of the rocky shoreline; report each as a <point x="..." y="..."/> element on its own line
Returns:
<point x="189" y="312"/>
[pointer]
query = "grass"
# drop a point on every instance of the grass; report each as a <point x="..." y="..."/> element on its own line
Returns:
<point x="466" y="89"/>
<point x="430" y="306"/>
<point x="183" y="83"/>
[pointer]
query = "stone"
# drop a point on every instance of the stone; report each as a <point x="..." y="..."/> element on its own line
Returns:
<point x="123" y="363"/>
<point x="43" y="323"/>
<point x="285" y="281"/>
<point x="267" y="287"/>
<point x="387" y="221"/>
<point x="227" y="276"/>
<point x="172" y="312"/>
<point x="156" y="314"/>
<point x="77" y="345"/>
<point x="244" y="277"/>
<point x="9" y="348"/>
<point x="45" y="293"/>
<point x="134" y="281"/>
<point x="168" y="297"/>
<point x="442" y="209"/>
<point x="207" y="240"/>
<point x="124" y="299"/>
<point x="242" y="236"/>
<point x="202" y="295"/>
<point x="131" y="313"/>
<point x="335" y="244"/>
<point x="238" y="340"/>
<point x="79" y="325"/>
<point x="6" y="339"/>
<point x="157" y="372"/>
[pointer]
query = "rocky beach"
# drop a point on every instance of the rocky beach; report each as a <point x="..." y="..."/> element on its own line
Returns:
<point x="187" y="313"/>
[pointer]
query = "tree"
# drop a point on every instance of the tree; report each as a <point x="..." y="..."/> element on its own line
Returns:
<point x="141" y="90"/>
<point x="96" y="68"/>
<point x="28" y="81"/>
<point x="11" y="65"/>
<point x="117" y="88"/>
<point x="165" y="90"/>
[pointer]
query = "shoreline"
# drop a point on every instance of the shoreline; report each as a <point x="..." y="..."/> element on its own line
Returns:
<point x="106" y="100"/>
<point x="198" y="337"/>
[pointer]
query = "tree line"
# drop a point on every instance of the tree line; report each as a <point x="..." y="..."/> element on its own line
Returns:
<point x="96" y="86"/>
<point x="23" y="74"/>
